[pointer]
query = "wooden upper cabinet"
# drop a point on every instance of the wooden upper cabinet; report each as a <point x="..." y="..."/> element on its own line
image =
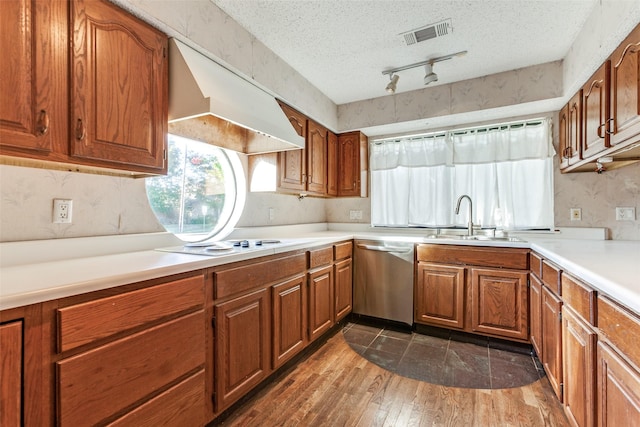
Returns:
<point x="563" y="135"/>
<point x="292" y="165"/>
<point x="119" y="88"/>
<point x="332" y="164"/>
<point x="349" y="163"/>
<point x="625" y="90"/>
<point x="33" y="74"/>
<point x="571" y="152"/>
<point x="316" y="148"/>
<point x="595" y="112"/>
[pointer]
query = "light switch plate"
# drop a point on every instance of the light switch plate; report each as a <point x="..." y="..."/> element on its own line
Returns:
<point x="625" y="214"/>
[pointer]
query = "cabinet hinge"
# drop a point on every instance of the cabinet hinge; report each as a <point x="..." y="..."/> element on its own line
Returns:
<point x="164" y="52"/>
<point x="213" y="322"/>
<point x="213" y="399"/>
<point x="561" y="390"/>
<point x="560" y="316"/>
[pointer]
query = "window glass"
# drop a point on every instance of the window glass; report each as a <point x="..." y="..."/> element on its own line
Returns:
<point x="203" y="193"/>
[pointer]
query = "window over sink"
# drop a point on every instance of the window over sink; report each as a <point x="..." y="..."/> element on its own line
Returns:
<point x="506" y="169"/>
<point x="203" y="194"/>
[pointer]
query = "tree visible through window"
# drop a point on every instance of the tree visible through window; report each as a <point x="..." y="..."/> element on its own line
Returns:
<point x="199" y="195"/>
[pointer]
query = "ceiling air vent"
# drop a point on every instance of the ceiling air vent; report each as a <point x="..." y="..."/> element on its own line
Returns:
<point x="429" y="32"/>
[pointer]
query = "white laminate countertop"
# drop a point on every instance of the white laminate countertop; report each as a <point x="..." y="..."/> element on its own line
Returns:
<point x="612" y="267"/>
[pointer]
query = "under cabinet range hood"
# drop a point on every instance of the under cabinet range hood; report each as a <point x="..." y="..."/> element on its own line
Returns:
<point x="209" y="103"/>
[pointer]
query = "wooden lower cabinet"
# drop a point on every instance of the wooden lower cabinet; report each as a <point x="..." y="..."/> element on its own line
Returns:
<point x="579" y="351"/>
<point x="440" y="291"/>
<point x="618" y="390"/>
<point x="535" y="314"/>
<point x="344" y="288"/>
<point x="499" y="302"/>
<point x="242" y="345"/>
<point x="11" y="363"/>
<point x="289" y="319"/>
<point x="98" y="384"/>
<point x="321" y="301"/>
<point x="552" y="339"/>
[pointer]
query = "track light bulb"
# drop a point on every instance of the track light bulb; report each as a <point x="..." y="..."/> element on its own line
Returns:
<point x="391" y="87"/>
<point x="429" y="76"/>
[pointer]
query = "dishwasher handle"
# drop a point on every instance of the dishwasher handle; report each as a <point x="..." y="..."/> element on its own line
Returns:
<point x="378" y="248"/>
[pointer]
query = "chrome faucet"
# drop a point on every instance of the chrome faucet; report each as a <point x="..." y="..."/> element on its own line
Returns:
<point x="470" y="225"/>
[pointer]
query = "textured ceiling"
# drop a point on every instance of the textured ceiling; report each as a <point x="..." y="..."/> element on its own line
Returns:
<point x="342" y="46"/>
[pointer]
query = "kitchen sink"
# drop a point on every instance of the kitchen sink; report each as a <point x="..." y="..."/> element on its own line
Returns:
<point x="474" y="237"/>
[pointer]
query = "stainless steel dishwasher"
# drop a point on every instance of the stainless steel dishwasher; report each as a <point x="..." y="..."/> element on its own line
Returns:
<point x="384" y="280"/>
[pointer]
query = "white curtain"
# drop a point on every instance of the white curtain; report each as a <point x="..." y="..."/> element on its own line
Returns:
<point x="506" y="170"/>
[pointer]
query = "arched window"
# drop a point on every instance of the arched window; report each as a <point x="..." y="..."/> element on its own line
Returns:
<point x="203" y="193"/>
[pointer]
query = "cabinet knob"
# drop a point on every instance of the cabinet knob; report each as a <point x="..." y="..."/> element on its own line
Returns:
<point x="42" y="127"/>
<point x="81" y="130"/>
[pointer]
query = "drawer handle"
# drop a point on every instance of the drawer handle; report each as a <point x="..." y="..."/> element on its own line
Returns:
<point x="610" y="126"/>
<point x="43" y="123"/>
<point x="81" y="130"/>
<point x="602" y="127"/>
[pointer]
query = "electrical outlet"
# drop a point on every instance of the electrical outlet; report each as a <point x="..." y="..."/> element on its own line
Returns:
<point x="272" y="214"/>
<point x="62" y="211"/>
<point x="625" y="214"/>
<point x="358" y="214"/>
<point x="352" y="214"/>
<point x="575" y="214"/>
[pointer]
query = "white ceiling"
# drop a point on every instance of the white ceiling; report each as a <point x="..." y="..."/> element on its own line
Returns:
<point x="342" y="46"/>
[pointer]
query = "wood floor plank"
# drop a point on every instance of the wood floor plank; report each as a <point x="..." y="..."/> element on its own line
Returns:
<point x="337" y="387"/>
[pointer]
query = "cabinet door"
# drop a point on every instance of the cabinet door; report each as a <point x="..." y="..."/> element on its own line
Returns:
<point x="535" y="314"/>
<point x="595" y="112"/>
<point x="289" y="319"/>
<point x="618" y="385"/>
<point x="552" y="339"/>
<point x="573" y="153"/>
<point x="11" y="374"/>
<point x="321" y="302"/>
<point x="242" y="346"/>
<point x="440" y="295"/>
<point x="316" y="147"/>
<point x="499" y="302"/>
<point x="119" y="88"/>
<point x="332" y="164"/>
<point x="33" y="73"/>
<point x="563" y="136"/>
<point x="625" y="89"/>
<point x="349" y="164"/>
<point x="344" y="288"/>
<point x="579" y="352"/>
<point x="292" y="164"/>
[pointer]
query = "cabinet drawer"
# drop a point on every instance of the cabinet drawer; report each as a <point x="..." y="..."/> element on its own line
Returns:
<point x="181" y="405"/>
<point x="343" y="250"/>
<point x="551" y="277"/>
<point x="240" y="279"/>
<point x="535" y="263"/>
<point x="320" y="257"/>
<point x="99" y="383"/>
<point x="514" y="258"/>
<point x="620" y="326"/>
<point x="580" y="297"/>
<point x="90" y="321"/>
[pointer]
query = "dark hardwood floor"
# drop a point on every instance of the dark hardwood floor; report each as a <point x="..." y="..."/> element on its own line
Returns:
<point x="336" y="386"/>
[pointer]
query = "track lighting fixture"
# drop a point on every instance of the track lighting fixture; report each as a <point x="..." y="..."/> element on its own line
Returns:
<point x="391" y="87"/>
<point x="429" y="76"/>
